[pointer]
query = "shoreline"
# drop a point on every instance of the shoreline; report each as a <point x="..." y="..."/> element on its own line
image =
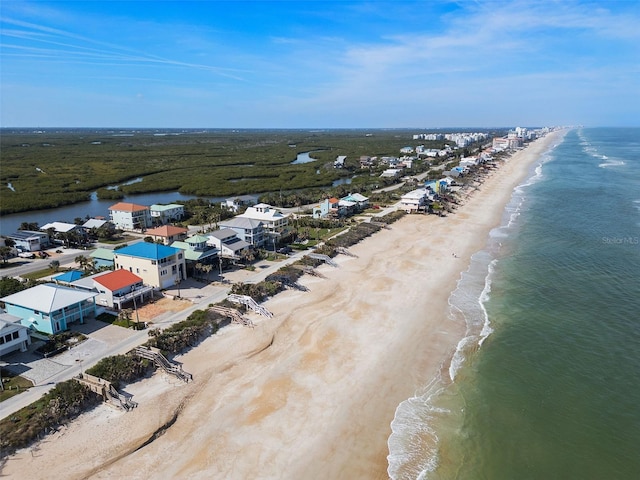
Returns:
<point x="312" y="392"/>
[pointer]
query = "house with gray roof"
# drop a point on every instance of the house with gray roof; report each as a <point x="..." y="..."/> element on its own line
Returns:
<point x="227" y="242"/>
<point x="247" y="229"/>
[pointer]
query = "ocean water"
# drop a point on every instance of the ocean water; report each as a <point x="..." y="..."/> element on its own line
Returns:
<point x="546" y="385"/>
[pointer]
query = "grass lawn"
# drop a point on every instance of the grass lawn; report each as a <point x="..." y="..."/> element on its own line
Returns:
<point x="123" y="239"/>
<point x="45" y="272"/>
<point x="13" y="385"/>
<point x="121" y="322"/>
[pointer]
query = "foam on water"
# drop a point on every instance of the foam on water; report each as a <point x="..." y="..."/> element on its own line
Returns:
<point x="413" y="444"/>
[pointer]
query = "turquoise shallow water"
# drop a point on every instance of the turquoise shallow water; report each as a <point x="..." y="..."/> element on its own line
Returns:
<point x="554" y="390"/>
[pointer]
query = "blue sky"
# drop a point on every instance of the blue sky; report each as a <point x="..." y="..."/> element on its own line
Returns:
<point x="319" y="64"/>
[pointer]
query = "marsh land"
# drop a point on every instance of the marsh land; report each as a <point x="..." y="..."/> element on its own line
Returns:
<point x="50" y="168"/>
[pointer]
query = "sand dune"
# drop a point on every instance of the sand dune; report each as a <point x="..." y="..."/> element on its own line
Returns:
<point x="311" y="392"/>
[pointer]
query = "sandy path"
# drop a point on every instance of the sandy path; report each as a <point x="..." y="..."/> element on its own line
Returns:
<point x="310" y="393"/>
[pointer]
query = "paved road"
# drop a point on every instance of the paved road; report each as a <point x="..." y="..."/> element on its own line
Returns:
<point x="12" y="405"/>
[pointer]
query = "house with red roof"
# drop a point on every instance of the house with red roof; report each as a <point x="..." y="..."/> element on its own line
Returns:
<point x="120" y="287"/>
<point x="167" y="234"/>
<point x="129" y="216"/>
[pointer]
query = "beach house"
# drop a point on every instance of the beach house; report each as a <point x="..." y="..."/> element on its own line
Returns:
<point x="273" y="221"/>
<point x="119" y="287"/>
<point x="129" y="216"/>
<point x="102" y="258"/>
<point x="13" y="335"/>
<point x="167" y="234"/>
<point x="28" y="241"/>
<point x="51" y="308"/>
<point x="161" y="214"/>
<point x="247" y="229"/>
<point x="158" y="265"/>
<point x="234" y="203"/>
<point x="414" y="200"/>
<point x="228" y="243"/>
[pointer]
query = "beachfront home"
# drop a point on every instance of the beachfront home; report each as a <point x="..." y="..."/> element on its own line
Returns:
<point x="158" y="265"/>
<point x="414" y="200"/>
<point x="273" y="221"/>
<point x="197" y="249"/>
<point x="327" y="207"/>
<point x="167" y="234"/>
<point x="228" y="243"/>
<point x="247" y="229"/>
<point x="129" y="216"/>
<point x="13" y="335"/>
<point x="360" y="200"/>
<point x="28" y="241"/>
<point x="51" y="308"/>
<point x="119" y="287"/>
<point x="102" y="258"/>
<point x="161" y="214"/>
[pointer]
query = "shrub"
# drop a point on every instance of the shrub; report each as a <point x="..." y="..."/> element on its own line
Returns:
<point x="120" y="369"/>
<point x="187" y="333"/>
<point x="65" y="402"/>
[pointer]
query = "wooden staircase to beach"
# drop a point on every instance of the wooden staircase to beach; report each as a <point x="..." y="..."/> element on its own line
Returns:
<point x="234" y="315"/>
<point x="325" y="258"/>
<point x="161" y="361"/>
<point x="346" y="252"/>
<point x="107" y="391"/>
<point x="249" y="302"/>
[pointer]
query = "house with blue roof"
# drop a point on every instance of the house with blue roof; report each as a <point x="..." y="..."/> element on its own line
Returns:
<point x="68" y="277"/>
<point x="160" y="266"/>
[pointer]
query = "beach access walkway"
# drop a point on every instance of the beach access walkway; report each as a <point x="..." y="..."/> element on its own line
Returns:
<point x="88" y="353"/>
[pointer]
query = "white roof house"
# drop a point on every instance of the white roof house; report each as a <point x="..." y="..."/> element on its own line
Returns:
<point x="272" y="219"/>
<point x="60" y="227"/>
<point x="413" y="200"/>
<point x="50" y="308"/>
<point x="13" y="335"/>
<point x="93" y="223"/>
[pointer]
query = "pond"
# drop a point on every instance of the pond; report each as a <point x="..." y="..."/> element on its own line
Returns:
<point x="304" y="157"/>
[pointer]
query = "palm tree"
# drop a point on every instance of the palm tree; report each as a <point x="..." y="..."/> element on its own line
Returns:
<point x="207" y="268"/>
<point x="54" y="265"/>
<point x="197" y="268"/>
<point x="85" y="263"/>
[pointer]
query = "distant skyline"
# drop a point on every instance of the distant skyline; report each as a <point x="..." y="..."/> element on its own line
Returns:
<point x="319" y="64"/>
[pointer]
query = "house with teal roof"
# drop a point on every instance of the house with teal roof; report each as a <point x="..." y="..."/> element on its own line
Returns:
<point x="102" y="258"/>
<point x="196" y="250"/>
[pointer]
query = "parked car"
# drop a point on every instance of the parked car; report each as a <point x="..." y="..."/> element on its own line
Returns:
<point x="285" y="250"/>
<point x="27" y="255"/>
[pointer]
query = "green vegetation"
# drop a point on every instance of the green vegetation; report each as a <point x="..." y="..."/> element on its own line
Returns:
<point x="69" y="165"/>
<point x="60" y="342"/>
<point x="63" y="403"/>
<point x="121" y="369"/>
<point x="11" y="285"/>
<point x="185" y="334"/>
<point x="12" y="384"/>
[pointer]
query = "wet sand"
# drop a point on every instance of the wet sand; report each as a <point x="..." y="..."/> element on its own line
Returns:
<point x="311" y="392"/>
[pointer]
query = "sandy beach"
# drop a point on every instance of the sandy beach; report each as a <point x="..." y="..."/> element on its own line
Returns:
<point x="311" y="392"/>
